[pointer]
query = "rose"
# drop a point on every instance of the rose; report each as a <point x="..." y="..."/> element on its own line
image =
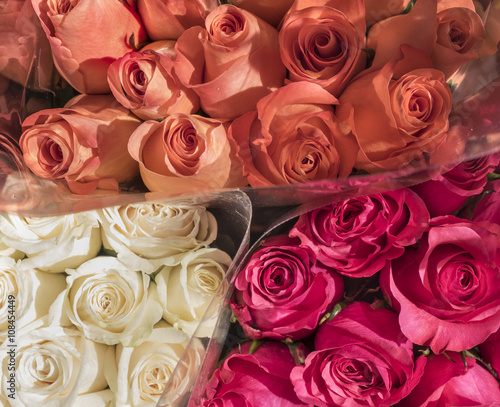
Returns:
<point x="272" y="12"/>
<point x="446" y="291"/>
<point x="146" y="83"/>
<point x="52" y="243"/>
<point x="377" y="10"/>
<point x="82" y="55"/>
<point x="447" y="381"/>
<point x="322" y="42"/>
<point x="22" y="40"/>
<point x="168" y="19"/>
<point x="492" y="26"/>
<point x="84" y="143"/>
<point x="360" y="358"/>
<point x="488" y="208"/>
<point x="53" y="366"/>
<point x="154" y="231"/>
<point x="282" y="292"/>
<point x="184" y="153"/>
<point x="140" y="374"/>
<point x="242" y="61"/>
<point x="187" y="287"/>
<point x="466" y="179"/>
<point x="109" y="302"/>
<point x="293" y="137"/>
<point x="253" y="379"/>
<point x="396" y="122"/>
<point x="460" y="34"/>
<point x="25" y="295"/>
<point x="488" y="351"/>
<point x="358" y="236"/>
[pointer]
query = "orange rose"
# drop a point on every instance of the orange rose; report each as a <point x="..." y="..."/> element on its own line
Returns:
<point x="397" y="122"/>
<point x="21" y="39"/>
<point x="293" y="137"/>
<point x="492" y="26"/>
<point x="321" y="41"/>
<point x="82" y="54"/>
<point x="242" y="61"/>
<point x="185" y="153"/>
<point x="168" y="19"/>
<point x="270" y="11"/>
<point x="84" y="143"/>
<point x="146" y="83"/>
<point x="378" y="10"/>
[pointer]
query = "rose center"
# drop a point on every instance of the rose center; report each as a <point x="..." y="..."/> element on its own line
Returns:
<point x="459" y="281"/>
<point x="62" y="6"/>
<point x="50" y="153"/>
<point x="228" y="25"/>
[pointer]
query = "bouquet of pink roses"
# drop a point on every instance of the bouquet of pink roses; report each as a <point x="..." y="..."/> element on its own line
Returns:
<point x="389" y="299"/>
<point x="184" y="97"/>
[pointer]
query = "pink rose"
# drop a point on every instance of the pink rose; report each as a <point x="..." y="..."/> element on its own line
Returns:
<point x="358" y="236"/>
<point x="322" y="41"/>
<point x="464" y="180"/>
<point x="294" y="137"/>
<point x="146" y="83"/>
<point x="378" y="10"/>
<point x="398" y="114"/>
<point x="81" y="54"/>
<point x="448" y="382"/>
<point x="283" y="292"/>
<point x="447" y="290"/>
<point x="253" y="380"/>
<point x="489" y="351"/>
<point x="361" y="358"/>
<point x="242" y="62"/>
<point x="488" y="208"/>
<point x="186" y="153"/>
<point x="84" y="143"/>
<point x="168" y="19"/>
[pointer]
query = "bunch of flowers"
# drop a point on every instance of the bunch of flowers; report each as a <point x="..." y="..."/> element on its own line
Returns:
<point x="390" y="299"/>
<point x="99" y="306"/>
<point x="196" y="95"/>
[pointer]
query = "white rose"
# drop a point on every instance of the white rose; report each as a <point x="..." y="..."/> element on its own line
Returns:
<point x="53" y="365"/>
<point x="187" y="288"/>
<point x="53" y="243"/>
<point x="25" y="294"/>
<point x="141" y="373"/>
<point x="110" y="302"/>
<point x="155" y="230"/>
<point x="10" y="252"/>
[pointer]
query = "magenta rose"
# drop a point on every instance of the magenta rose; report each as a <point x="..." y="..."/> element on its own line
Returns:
<point x="466" y="179"/>
<point x="488" y="208"/>
<point x="447" y="290"/>
<point x="253" y="380"/>
<point x="448" y="382"/>
<point x="361" y="358"/>
<point x="489" y="351"/>
<point x="358" y="236"/>
<point x="283" y="292"/>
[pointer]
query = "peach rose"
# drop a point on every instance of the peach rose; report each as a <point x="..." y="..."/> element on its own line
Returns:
<point x="378" y="10"/>
<point x="168" y="19"/>
<point x="397" y="122"/>
<point x="185" y="153"/>
<point x="81" y="53"/>
<point x="146" y="83"/>
<point x="84" y="143"/>
<point x="321" y="41"/>
<point x="242" y="61"/>
<point x="270" y="11"/>
<point x="293" y="137"/>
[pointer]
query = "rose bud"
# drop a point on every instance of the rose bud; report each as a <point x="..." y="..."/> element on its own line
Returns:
<point x="253" y="379"/>
<point x="358" y="236"/>
<point x="360" y="358"/>
<point x="446" y="290"/>
<point x="322" y="41"/>
<point x="186" y="153"/>
<point x="293" y="137"/>
<point x="82" y="56"/>
<point x="270" y="11"/>
<point x="168" y="19"/>
<point x="397" y="122"/>
<point x="448" y="192"/>
<point x="146" y="83"/>
<point x="283" y="292"/>
<point x="84" y="143"/>
<point x="449" y="380"/>
<point x="242" y="61"/>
